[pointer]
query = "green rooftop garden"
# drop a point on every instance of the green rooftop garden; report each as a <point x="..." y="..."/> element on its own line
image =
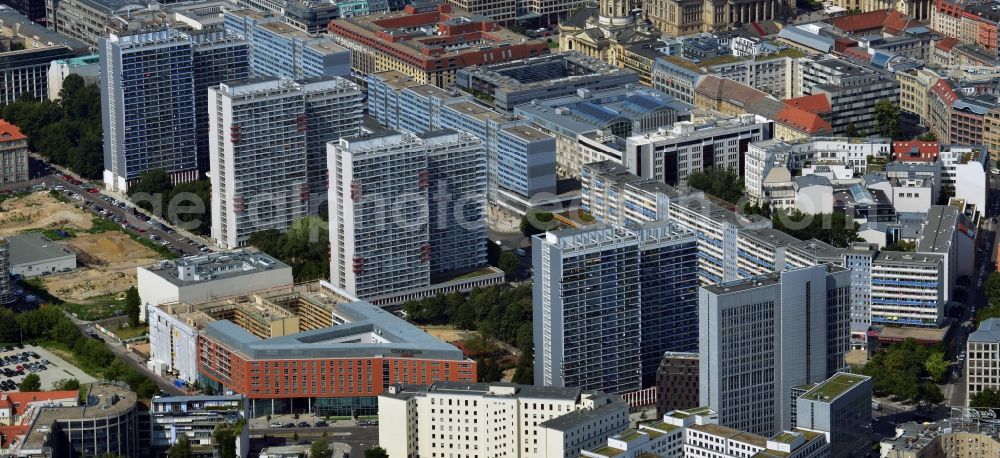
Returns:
<point x="660" y="426"/>
<point x="809" y="435"/>
<point x="834" y="387"/>
<point x="679" y="415"/>
<point x="630" y="435"/>
<point x="785" y="437"/>
<point x="608" y="451"/>
<point x="703" y="410"/>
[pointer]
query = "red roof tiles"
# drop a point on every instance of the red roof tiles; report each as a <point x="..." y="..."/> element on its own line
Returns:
<point x="889" y="21"/>
<point x="10" y="132"/>
<point x="915" y="151"/>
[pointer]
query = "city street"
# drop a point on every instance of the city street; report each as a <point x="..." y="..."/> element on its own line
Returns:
<point x="986" y="254"/>
<point x="174" y="237"/>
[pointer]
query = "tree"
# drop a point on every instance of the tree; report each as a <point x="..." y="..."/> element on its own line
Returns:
<point x="151" y="191"/>
<point x="936" y="366"/>
<point x="723" y="183"/>
<point x="321" y="449"/>
<point x="508" y="263"/>
<point x="928" y="137"/>
<point x="852" y="131"/>
<point x="180" y="449"/>
<point x="535" y="222"/>
<point x="68" y="131"/>
<point x="988" y="398"/>
<point x="66" y="384"/>
<point x="901" y="245"/>
<point x="489" y="371"/>
<point x="304" y="246"/>
<point x="132" y="306"/>
<point x="837" y="229"/>
<point x="225" y="439"/>
<point x="887" y="118"/>
<point x="376" y="452"/>
<point x="31" y="382"/>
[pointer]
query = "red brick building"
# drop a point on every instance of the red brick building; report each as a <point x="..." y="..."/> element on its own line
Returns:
<point x="339" y="370"/>
<point x="429" y="43"/>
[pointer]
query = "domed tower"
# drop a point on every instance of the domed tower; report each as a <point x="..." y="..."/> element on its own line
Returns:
<point x="616" y="12"/>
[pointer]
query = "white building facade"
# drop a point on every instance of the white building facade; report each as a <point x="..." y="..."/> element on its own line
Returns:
<point x="489" y="420"/>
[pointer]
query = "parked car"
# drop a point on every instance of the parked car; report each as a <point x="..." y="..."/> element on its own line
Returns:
<point x="320" y="423"/>
<point x="275" y="425"/>
<point x="303" y="424"/>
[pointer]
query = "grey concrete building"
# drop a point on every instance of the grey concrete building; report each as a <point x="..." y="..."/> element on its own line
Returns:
<point x="518" y="82"/>
<point x="595" y="287"/>
<point x="851" y="89"/>
<point x="33" y="254"/>
<point x="841" y="406"/>
<point x="762" y="336"/>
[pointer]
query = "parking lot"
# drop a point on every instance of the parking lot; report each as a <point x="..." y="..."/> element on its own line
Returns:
<point x="49" y="373"/>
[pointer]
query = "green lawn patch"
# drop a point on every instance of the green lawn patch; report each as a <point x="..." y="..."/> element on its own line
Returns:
<point x="61" y="350"/>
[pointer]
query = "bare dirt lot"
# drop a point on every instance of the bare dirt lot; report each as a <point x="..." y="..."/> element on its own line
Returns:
<point x="446" y="333"/>
<point x="108" y="259"/>
<point x="111" y="259"/>
<point x="40" y="211"/>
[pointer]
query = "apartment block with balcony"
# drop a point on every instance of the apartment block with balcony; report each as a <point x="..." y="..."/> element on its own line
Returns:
<point x="148" y="106"/>
<point x="388" y="193"/>
<point x="906" y="289"/>
<point x="594" y="283"/>
<point x="268" y="139"/>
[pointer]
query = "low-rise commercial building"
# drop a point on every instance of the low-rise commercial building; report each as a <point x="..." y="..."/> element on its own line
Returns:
<point x="585" y="121"/>
<point x="197" y="418"/>
<point x="107" y="424"/>
<point x="208" y="276"/>
<point x="32" y="254"/>
<point x="509" y="84"/>
<point x="840" y="406"/>
<point x="671" y="155"/>
<point x="496" y="419"/>
<point x="695" y="432"/>
<point x="86" y="67"/>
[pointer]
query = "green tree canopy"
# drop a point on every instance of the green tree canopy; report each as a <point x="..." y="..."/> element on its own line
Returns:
<point x="936" y="366"/>
<point x="31" y="382"/>
<point x="887" y="118"/>
<point x="725" y="184"/>
<point x="536" y="222"/>
<point x="305" y="247"/>
<point x="133" y="306"/>
<point x="833" y="228"/>
<point x="988" y="398"/>
<point x="180" y="449"/>
<point x="376" y="452"/>
<point x="321" y="449"/>
<point x="68" y="131"/>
